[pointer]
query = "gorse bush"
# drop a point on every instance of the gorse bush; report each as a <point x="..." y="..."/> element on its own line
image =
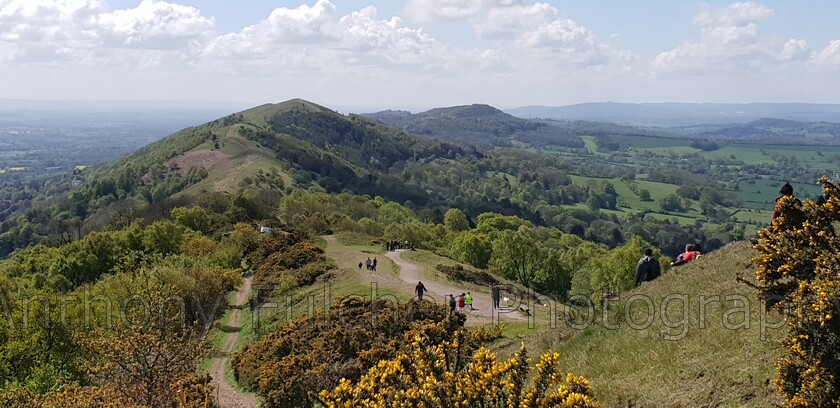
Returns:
<point x="449" y="375"/>
<point x="799" y="273"/>
<point x="290" y="365"/>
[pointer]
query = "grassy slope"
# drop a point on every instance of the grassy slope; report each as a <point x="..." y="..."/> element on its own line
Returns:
<point x="245" y="157"/>
<point x="710" y="366"/>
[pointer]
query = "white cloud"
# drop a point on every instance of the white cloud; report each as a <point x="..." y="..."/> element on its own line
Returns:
<point x="730" y="39"/>
<point x="534" y="34"/>
<point x="829" y="57"/>
<point x="431" y="10"/>
<point x="155" y="24"/>
<point x="86" y="32"/>
<point x="359" y="38"/>
<point x="511" y="21"/>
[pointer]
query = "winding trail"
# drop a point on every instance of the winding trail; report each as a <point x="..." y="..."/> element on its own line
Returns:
<point x="439" y="292"/>
<point x="226" y="395"/>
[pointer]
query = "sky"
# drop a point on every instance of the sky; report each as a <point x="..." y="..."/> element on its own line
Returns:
<point x="364" y="55"/>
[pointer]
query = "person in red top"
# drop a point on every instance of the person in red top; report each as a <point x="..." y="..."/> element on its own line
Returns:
<point x="461" y="301"/>
<point x="785" y="192"/>
<point x="691" y="253"/>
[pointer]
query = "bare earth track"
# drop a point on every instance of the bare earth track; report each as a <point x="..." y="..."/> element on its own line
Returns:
<point x="226" y="395"/>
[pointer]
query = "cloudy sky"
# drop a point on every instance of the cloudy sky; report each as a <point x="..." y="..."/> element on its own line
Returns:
<point x="417" y="54"/>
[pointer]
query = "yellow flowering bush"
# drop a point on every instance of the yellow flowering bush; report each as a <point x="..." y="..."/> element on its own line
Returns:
<point x="799" y="274"/>
<point x="447" y="374"/>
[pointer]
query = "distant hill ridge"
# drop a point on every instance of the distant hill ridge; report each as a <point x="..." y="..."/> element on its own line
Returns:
<point x="477" y="124"/>
<point x="682" y="114"/>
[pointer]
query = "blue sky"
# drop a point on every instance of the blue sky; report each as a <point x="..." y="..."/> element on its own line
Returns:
<point x="416" y="54"/>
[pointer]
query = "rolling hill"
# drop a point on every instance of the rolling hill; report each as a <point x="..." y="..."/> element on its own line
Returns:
<point x="479" y="125"/>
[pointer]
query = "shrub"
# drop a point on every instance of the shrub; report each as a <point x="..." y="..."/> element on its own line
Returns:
<point x="290" y="365"/>
<point x="458" y="273"/>
<point x="799" y="273"/>
<point x="447" y="375"/>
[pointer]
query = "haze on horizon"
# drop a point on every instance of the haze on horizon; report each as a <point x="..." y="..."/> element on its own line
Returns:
<point x="418" y="54"/>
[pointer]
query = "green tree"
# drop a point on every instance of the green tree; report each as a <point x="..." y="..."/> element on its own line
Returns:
<point x="516" y="255"/>
<point x="671" y="202"/>
<point x="456" y="220"/>
<point x="473" y="248"/>
<point x="644" y="195"/>
<point x="194" y="218"/>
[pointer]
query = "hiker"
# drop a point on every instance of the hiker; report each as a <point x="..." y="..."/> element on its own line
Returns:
<point x="648" y="268"/>
<point x="360" y="265"/>
<point x="691" y="253"/>
<point x="468" y="301"/>
<point x="367" y="263"/>
<point x="494" y="293"/>
<point x="461" y="301"/>
<point x="451" y="303"/>
<point x="785" y="192"/>
<point x="373" y="265"/>
<point x="420" y="289"/>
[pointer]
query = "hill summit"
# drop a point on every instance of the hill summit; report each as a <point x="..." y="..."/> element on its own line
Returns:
<point x="477" y="124"/>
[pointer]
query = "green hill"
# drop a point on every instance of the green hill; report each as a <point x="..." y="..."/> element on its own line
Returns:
<point x="480" y="125"/>
<point x="712" y="353"/>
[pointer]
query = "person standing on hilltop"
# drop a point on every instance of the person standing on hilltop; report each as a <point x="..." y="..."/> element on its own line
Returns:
<point x="420" y="289"/>
<point x="786" y="192"/>
<point x="648" y="268"/>
<point x="468" y="300"/>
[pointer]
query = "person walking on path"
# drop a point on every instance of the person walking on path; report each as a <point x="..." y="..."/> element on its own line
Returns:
<point x="360" y="265"/>
<point x="468" y="301"/>
<point x="420" y="289"/>
<point x="648" y="268"/>
<point x="494" y="293"/>
<point x="373" y="264"/>
<point x="451" y="303"/>
<point x="368" y="263"/>
<point x="461" y="301"/>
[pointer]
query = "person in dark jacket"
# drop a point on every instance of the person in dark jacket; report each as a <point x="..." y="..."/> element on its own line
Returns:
<point x="785" y="191"/>
<point x="494" y="293"/>
<point x="420" y="289"/>
<point x="452" y="303"/>
<point x="648" y="268"/>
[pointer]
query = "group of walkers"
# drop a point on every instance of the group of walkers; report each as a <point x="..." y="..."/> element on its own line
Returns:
<point x="394" y="245"/>
<point x="370" y="264"/>
<point x="456" y="303"/>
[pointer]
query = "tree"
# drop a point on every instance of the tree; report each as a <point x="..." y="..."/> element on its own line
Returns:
<point x="194" y="218"/>
<point x="644" y="195"/>
<point x="473" y="248"/>
<point x="142" y="361"/>
<point x="516" y="256"/>
<point x="671" y="202"/>
<point x="456" y="220"/>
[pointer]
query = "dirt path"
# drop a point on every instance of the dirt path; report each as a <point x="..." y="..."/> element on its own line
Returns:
<point x="439" y="292"/>
<point x="226" y="395"/>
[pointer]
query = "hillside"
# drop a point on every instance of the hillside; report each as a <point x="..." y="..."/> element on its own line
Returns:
<point x="713" y="355"/>
<point x="780" y="131"/>
<point x="479" y="125"/>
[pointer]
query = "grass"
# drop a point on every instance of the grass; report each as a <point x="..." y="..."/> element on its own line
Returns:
<point x="719" y="361"/>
